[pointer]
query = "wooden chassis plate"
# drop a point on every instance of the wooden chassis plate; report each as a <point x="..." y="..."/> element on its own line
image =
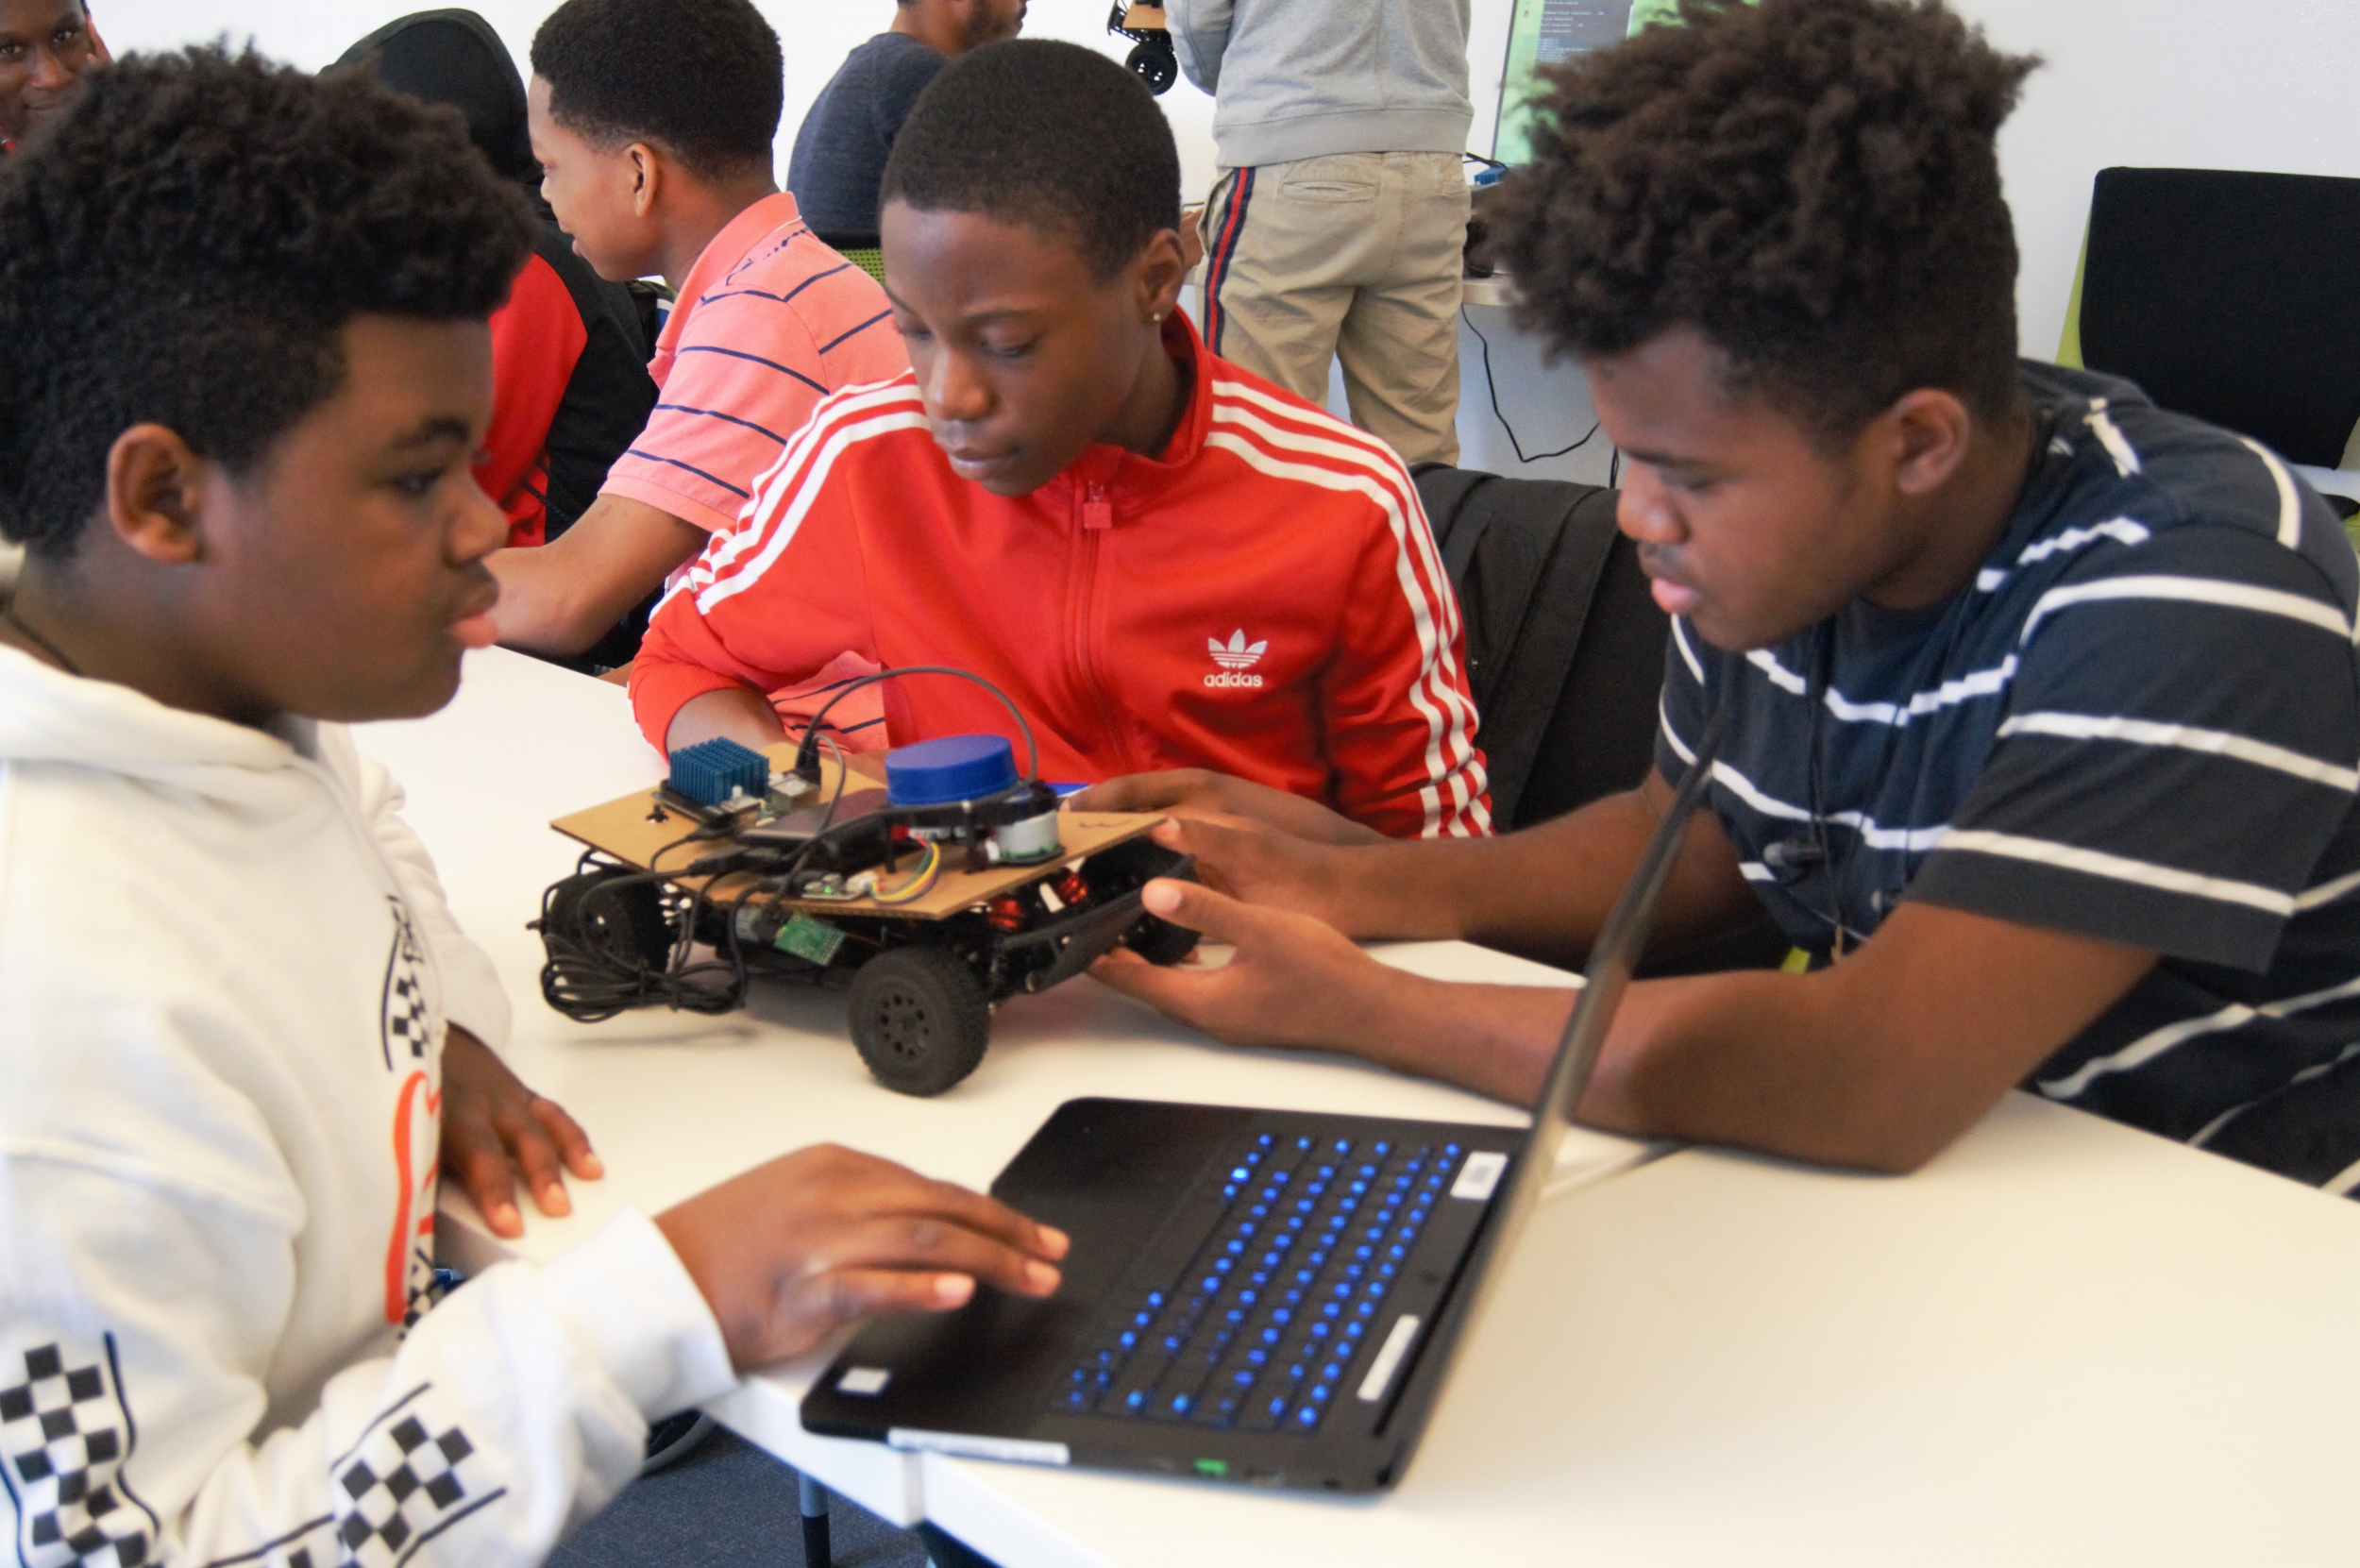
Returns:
<point x="637" y="827"/>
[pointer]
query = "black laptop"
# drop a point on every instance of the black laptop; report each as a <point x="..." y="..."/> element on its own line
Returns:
<point x="1270" y="1297"/>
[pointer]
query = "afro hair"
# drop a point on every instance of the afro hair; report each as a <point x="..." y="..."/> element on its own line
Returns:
<point x="1811" y="185"/>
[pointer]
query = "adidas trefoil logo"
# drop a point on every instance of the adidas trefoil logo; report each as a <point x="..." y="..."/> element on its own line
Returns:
<point x="1235" y="657"/>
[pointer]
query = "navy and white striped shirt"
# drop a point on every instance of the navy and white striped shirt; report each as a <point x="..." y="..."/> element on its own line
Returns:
<point x="2141" y="723"/>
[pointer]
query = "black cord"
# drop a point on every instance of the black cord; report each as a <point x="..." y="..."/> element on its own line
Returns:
<point x="1614" y="468"/>
<point x="807" y="754"/>
<point x="1495" y="388"/>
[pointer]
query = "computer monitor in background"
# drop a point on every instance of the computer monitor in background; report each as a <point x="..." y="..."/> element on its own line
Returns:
<point x="1548" y="32"/>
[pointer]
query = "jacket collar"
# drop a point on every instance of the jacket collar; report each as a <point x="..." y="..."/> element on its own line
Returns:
<point x="720" y="257"/>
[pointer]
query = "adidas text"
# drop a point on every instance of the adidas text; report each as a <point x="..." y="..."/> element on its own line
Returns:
<point x="1230" y="677"/>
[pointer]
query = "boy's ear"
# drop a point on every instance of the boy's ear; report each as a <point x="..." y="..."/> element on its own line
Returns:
<point x="647" y="177"/>
<point x="1931" y="430"/>
<point x="152" y="482"/>
<point x="1159" y="272"/>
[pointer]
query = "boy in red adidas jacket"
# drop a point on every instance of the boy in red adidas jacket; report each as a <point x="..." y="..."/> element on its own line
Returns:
<point x="1166" y="562"/>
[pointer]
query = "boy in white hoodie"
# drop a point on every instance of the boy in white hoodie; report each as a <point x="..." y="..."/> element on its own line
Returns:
<point x="248" y="366"/>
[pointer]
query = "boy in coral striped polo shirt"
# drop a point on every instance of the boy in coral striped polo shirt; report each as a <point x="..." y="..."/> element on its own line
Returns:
<point x="1167" y="563"/>
<point x="651" y="178"/>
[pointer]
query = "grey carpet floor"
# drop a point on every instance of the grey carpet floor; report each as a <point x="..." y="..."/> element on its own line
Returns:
<point x="729" y="1505"/>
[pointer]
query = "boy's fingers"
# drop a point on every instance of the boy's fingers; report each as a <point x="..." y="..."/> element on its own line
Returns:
<point x="533" y="1150"/>
<point x="573" y="1144"/>
<point x="1170" y="991"/>
<point x="1159" y="791"/>
<point x="1214" y="915"/>
<point x="866" y="1292"/>
<point x="928" y="1242"/>
<point x="1132" y="792"/>
<point x="964" y="1208"/>
<point x="866" y="1187"/>
<point x="489" y="1179"/>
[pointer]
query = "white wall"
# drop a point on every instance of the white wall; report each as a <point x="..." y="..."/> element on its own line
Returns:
<point x="816" y="38"/>
<point x="2257" y="84"/>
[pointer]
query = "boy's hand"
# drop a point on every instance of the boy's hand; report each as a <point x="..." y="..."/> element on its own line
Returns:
<point x="494" y="1129"/>
<point x="792" y="1250"/>
<point x="1201" y="792"/>
<point x="1293" y="980"/>
<point x="1257" y="865"/>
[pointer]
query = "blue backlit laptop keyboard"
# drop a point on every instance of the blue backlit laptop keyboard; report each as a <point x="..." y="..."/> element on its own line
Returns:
<point x="1281" y="1293"/>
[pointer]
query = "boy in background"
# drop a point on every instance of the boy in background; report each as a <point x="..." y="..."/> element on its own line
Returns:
<point x="254" y="365"/>
<point x="653" y="128"/>
<point x="1165" y="562"/>
<point x="841" y="147"/>
<point x="570" y="389"/>
<point x="45" y="46"/>
<point x="1337" y="230"/>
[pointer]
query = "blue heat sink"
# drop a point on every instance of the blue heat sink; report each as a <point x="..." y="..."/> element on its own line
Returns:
<point x="711" y="770"/>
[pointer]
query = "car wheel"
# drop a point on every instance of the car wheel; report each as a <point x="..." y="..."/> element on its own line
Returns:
<point x="920" y="1019"/>
<point x="1156" y="65"/>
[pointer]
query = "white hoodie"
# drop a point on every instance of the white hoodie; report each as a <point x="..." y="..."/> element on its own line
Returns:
<point x="225" y="970"/>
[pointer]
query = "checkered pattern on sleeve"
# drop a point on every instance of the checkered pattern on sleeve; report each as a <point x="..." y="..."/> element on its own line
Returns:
<point x="405" y="1482"/>
<point x="64" y="1435"/>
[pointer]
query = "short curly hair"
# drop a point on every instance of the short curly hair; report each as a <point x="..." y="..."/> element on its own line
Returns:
<point x="1050" y="136"/>
<point x="704" y="79"/>
<point x="184" y="246"/>
<point x="1809" y="184"/>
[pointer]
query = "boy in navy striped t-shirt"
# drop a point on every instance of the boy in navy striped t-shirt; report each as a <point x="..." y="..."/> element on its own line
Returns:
<point x="2044" y="702"/>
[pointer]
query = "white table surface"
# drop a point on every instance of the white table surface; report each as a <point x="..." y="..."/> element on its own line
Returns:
<point x="677" y="1102"/>
<point x="2064" y="1342"/>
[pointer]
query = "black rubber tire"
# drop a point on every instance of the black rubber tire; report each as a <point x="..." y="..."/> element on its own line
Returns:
<point x="1156" y="64"/>
<point x="920" y="1019"/>
<point x="626" y="924"/>
<point x="1159" y="941"/>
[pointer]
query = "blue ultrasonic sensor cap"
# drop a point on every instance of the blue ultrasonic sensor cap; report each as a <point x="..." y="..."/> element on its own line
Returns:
<point x="955" y="768"/>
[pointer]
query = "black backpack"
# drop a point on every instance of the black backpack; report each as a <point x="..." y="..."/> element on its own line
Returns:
<point x="1564" y="643"/>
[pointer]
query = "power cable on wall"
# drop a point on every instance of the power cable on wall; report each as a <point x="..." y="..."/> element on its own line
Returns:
<point x="1493" y="387"/>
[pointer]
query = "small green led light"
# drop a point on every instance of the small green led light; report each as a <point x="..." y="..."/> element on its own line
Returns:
<point x="1212" y="1467"/>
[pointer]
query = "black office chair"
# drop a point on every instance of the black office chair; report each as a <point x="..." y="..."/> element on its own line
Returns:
<point x="863" y="250"/>
<point x="2230" y="295"/>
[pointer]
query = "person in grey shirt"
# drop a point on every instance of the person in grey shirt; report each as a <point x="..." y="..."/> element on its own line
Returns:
<point x="1338" y="226"/>
<point x="840" y="149"/>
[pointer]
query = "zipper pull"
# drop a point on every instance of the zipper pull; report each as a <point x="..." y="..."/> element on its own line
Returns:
<point x="1097" y="511"/>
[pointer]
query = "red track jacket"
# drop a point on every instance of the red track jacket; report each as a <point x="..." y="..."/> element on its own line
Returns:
<point x="1265" y="601"/>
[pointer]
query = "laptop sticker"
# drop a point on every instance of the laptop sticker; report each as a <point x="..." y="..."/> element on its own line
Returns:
<point x="1479" y="1175"/>
<point x="864" y="1380"/>
<point x="971" y="1446"/>
<point x="1381" y="1370"/>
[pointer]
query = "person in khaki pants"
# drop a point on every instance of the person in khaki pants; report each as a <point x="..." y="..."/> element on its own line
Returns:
<point x="1338" y="225"/>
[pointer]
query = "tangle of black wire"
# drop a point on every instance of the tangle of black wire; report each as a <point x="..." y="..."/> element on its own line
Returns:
<point x="1493" y="387"/>
<point x="589" y="980"/>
